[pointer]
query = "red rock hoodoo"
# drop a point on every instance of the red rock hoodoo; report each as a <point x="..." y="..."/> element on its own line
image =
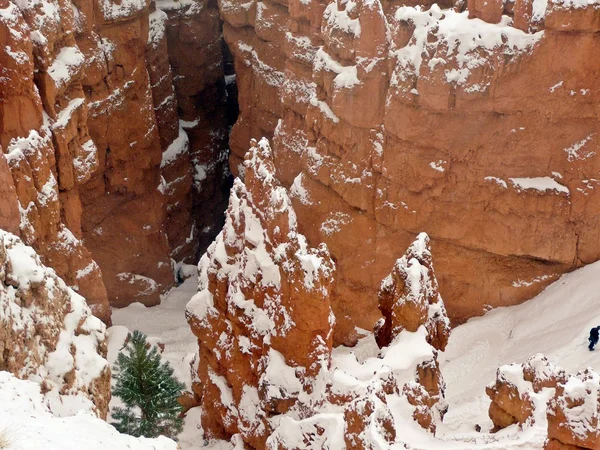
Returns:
<point x="266" y="373"/>
<point x="390" y="118"/>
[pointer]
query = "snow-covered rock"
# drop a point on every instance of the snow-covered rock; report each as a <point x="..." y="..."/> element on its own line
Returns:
<point x="262" y="315"/>
<point x="48" y="334"/>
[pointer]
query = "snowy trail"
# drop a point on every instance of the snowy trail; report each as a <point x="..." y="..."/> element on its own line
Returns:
<point x="555" y="323"/>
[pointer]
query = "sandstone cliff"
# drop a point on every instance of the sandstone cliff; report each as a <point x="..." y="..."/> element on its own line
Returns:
<point x="106" y="184"/>
<point x="389" y="118"/>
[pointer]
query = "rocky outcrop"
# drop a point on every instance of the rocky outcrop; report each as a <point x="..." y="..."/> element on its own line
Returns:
<point x="49" y="335"/>
<point x="90" y="125"/>
<point x="408" y="300"/>
<point x="390" y="118"/>
<point x="266" y="373"/>
<point x="539" y="391"/>
<point x="573" y="413"/>
<point x="262" y="316"/>
<point x="521" y="392"/>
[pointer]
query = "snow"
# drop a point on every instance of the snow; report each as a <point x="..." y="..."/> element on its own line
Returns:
<point x="299" y="192"/>
<point x="449" y="35"/>
<point x="67" y="63"/>
<point x="157" y="30"/>
<point x="334" y="222"/>
<point x="541" y="184"/>
<point x="29" y="424"/>
<point x="347" y="76"/>
<point x="575" y="153"/>
<point x="340" y="19"/>
<point x="498" y="181"/>
<point x="121" y="10"/>
<point x="264" y="72"/>
<point x="65" y="115"/>
<point x="151" y="286"/>
<point x="177" y="148"/>
<point x="556" y="323"/>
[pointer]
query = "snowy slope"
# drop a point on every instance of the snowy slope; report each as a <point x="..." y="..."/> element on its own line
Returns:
<point x="26" y="423"/>
<point x="555" y="323"/>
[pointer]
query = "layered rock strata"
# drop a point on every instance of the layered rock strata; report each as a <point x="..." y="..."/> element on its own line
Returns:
<point x="49" y="335"/>
<point x="390" y="118"/>
<point x="267" y="375"/>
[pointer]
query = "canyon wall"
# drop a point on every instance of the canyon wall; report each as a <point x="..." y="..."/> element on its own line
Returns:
<point x="115" y="139"/>
<point x="391" y="118"/>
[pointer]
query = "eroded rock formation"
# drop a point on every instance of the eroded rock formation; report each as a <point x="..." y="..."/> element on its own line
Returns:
<point x="390" y="118"/>
<point x="104" y="176"/>
<point x="539" y="391"/>
<point x="262" y="316"/>
<point x="48" y="334"/>
<point x="44" y="135"/>
<point x="266" y="372"/>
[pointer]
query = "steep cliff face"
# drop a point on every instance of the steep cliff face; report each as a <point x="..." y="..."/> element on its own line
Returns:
<point x="391" y="118"/>
<point x="193" y="34"/>
<point x="92" y="97"/>
<point x="45" y="139"/>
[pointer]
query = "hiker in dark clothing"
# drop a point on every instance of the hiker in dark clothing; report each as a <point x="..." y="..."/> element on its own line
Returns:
<point x="594" y="334"/>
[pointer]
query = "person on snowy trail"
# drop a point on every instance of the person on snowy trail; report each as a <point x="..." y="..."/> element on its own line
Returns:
<point x="594" y="334"/>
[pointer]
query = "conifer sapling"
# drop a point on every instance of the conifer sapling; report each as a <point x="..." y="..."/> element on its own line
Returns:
<point x="149" y="390"/>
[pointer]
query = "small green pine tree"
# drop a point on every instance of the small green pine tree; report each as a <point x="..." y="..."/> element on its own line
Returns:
<point x="148" y="389"/>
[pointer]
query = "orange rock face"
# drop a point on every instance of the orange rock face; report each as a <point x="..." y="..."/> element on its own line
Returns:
<point x="44" y="135"/>
<point x="267" y="375"/>
<point x="386" y="123"/>
<point x="90" y="125"/>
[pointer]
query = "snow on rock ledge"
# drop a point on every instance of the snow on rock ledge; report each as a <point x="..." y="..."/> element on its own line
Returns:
<point x="49" y="335"/>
